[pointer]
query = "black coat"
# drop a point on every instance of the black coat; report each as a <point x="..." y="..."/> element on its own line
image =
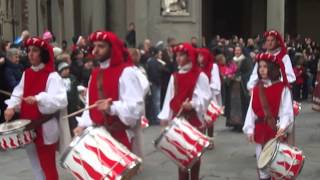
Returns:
<point x="12" y="74"/>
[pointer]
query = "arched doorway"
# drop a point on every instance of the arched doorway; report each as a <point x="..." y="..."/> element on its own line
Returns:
<point x="244" y="18"/>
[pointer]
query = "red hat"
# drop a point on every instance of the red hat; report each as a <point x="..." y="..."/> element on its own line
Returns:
<point x="207" y="55"/>
<point x="189" y="50"/>
<point x="38" y="42"/>
<point x="274" y="59"/>
<point x="118" y="50"/>
<point x="280" y="40"/>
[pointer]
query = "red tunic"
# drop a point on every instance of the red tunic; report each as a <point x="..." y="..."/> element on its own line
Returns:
<point x="110" y="87"/>
<point x="34" y="83"/>
<point x="184" y="84"/>
<point x="263" y="132"/>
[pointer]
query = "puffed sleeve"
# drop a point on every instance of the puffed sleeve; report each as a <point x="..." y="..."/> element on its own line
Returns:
<point x="129" y="107"/>
<point x="249" y="123"/>
<point x="166" y="113"/>
<point x="286" y="116"/>
<point x="201" y="95"/>
<point x="253" y="78"/>
<point x="215" y="83"/>
<point x="54" y="97"/>
<point x="288" y="68"/>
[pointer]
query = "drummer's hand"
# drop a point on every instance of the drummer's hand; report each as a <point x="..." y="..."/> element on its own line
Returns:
<point x="280" y="132"/>
<point x="8" y="114"/>
<point x="187" y="105"/>
<point x="104" y="105"/>
<point x="78" y="130"/>
<point x="30" y="100"/>
<point x="250" y="138"/>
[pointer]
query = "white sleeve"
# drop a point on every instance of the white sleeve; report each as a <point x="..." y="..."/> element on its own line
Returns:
<point x="166" y="113"/>
<point x="288" y="68"/>
<point x="285" y="109"/>
<point x="251" y="117"/>
<point x="201" y="95"/>
<point x="129" y="107"/>
<point x="85" y="120"/>
<point x="253" y="78"/>
<point x="55" y="96"/>
<point x="144" y="82"/>
<point x="215" y="83"/>
<point x="14" y="101"/>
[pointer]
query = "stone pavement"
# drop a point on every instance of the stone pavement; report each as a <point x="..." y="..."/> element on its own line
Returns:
<point x="232" y="159"/>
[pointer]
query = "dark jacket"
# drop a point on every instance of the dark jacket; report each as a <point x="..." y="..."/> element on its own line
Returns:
<point x="12" y="74"/>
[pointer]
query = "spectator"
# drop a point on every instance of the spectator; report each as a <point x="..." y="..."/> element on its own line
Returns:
<point x="131" y="36"/>
<point x="70" y="84"/>
<point x="155" y="65"/>
<point x="77" y="64"/>
<point x="13" y="70"/>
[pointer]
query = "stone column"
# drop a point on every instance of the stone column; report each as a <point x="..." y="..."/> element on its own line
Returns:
<point x="68" y="20"/>
<point x="276" y="15"/>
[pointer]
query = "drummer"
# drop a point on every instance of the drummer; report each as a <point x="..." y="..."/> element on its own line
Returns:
<point x="43" y="95"/>
<point x="115" y="88"/>
<point x="270" y="111"/>
<point x="207" y="65"/>
<point x="188" y="91"/>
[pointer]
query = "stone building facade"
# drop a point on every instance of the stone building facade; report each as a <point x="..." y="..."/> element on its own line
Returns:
<point x="204" y="18"/>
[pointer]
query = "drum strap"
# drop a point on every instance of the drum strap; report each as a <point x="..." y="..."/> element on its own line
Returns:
<point x="116" y="125"/>
<point x="266" y="108"/>
<point x="100" y="84"/>
<point x="44" y="118"/>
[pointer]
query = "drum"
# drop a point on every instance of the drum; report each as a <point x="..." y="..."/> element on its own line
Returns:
<point x="213" y="112"/>
<point x="182" y="143"/>
<point x="97" y="155"/>
<point x="282" y="160"/>
<point x="15" y="135"/>
<point x="296" y="108"/>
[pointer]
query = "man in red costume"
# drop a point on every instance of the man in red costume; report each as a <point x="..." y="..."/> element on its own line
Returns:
<point x="115" y="88"/>
<point x="189" y="91"/>
<point x="42" y="95"/>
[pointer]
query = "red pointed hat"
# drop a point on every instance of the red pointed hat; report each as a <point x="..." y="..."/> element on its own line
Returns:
<point x="280" y="40"/>
<point x="274" y="59"/>
<point x="118" y="50"/>
<point x="38" y="42"/>
<point x="189" y="50"/>
<point x="207" y="55"/>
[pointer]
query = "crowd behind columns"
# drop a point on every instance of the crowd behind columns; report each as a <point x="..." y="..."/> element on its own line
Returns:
<point x="234" y="57"/>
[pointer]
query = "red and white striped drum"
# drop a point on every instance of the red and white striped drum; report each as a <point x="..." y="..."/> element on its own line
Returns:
<point x="96" y="155"/>
<point x="284" y="162"/>
<point x="14" y="134"/>
<point x="182" y="143"/>
<point x="213" y="112"/>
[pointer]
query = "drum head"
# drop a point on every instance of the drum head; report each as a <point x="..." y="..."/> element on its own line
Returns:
<point x="267" y="153"/>
<point x="17" y="124"/>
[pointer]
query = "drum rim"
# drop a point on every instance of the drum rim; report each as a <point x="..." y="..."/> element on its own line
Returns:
<point x="17" y="129"/>
<point x="274" y="153"/>
<point x="199" y="154"/>
<point x="166" y="129"/>
<point x="72" y="144"/>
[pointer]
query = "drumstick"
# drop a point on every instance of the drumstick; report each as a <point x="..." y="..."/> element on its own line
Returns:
<point x="181" y="108"/>
<point x="9" y="94"/>
<point x="80" y="111"/>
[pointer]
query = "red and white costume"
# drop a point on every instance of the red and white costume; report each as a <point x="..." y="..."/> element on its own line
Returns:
<point x="279" y="99"/>
<point x="189" y="82"/>
<point x="46" y="85"/>
<point x="211" y="69"/>
<point x="119" y="82"/>
<point x="280" y="53"/>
